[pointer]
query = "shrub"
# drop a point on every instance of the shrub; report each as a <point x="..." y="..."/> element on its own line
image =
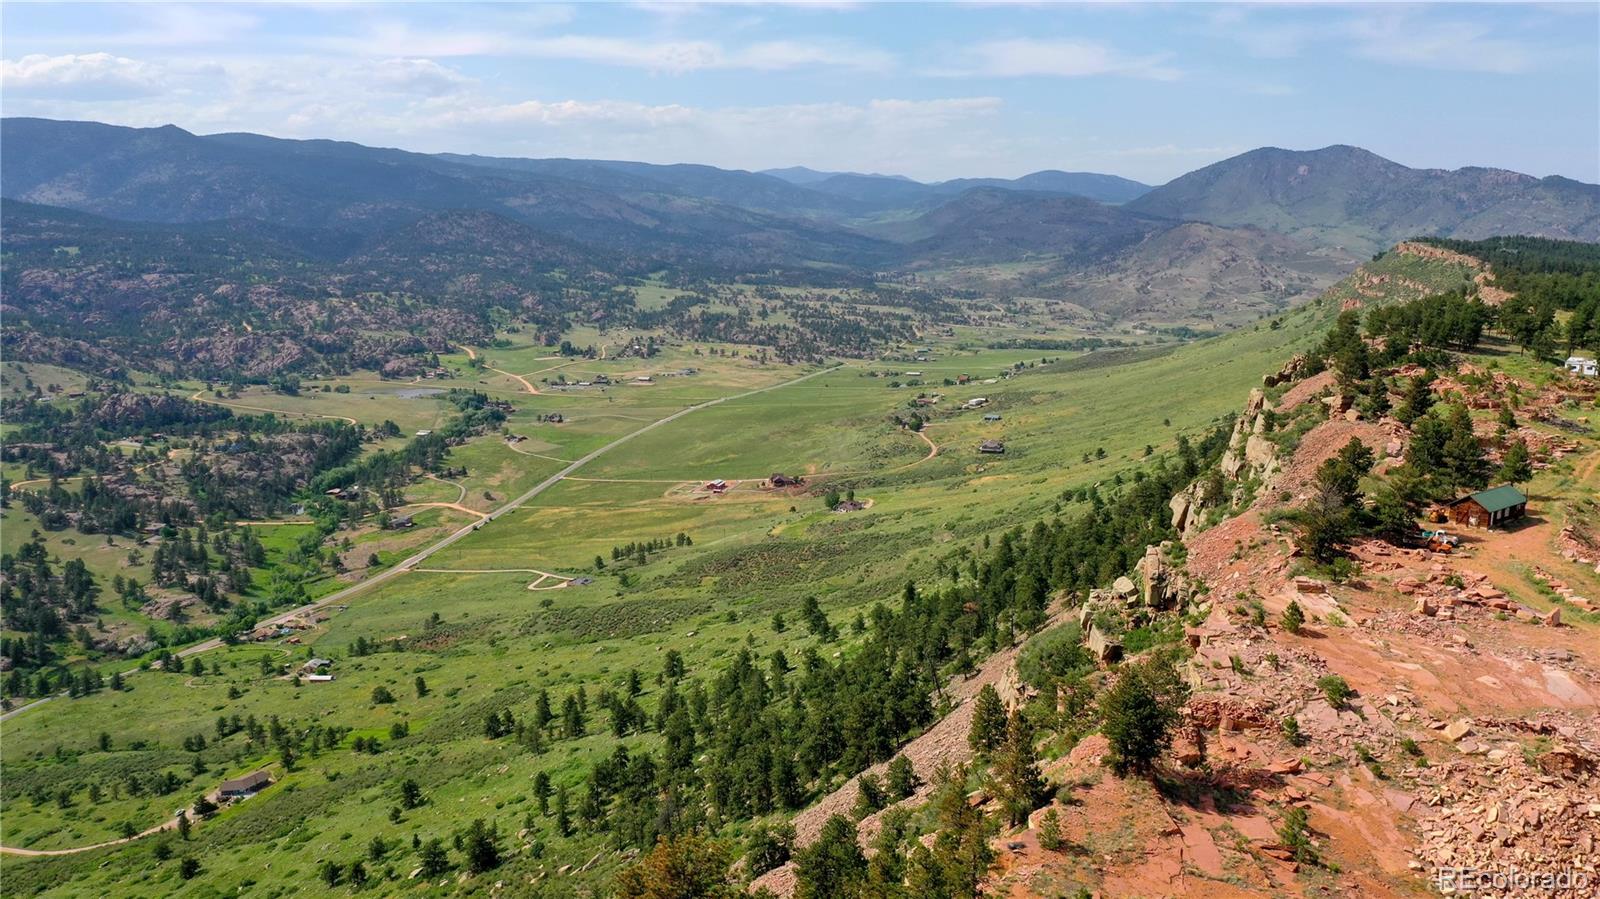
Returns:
<point x="1294" y="617"/>
<point x="1336" y="689"/>
<point x="1290" y="727"/>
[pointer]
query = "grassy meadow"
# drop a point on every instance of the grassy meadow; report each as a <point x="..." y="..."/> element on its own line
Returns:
<point x="755" y="552"/>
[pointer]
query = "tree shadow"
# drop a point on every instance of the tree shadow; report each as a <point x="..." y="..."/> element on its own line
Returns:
<point x="1228" y="791"/>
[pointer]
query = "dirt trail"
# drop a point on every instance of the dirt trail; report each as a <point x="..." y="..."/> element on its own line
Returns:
<point x="10" y="850"/>
<point x="513" y="448"/>
<point x="515" y="377"/>
<point x="21" y="484"/>
<point x="77" y="477"/>
<point x="461" y="489"/>
<point x="536" y="584"/>
<point x="456" y="506"/>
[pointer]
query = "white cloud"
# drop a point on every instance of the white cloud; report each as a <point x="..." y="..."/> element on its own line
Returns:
<point x="679" y="56"/>
<point x="674" y="9"/>
<point x="754" y="124"/>
<point x="1399" y="36"/>
<point x="80" y="75"/>
<point x="1405" y="40"/>
<point x="667" y="56"/>
<point x="416" y="76"/>
<point x="1030" y="57"/>
<point x="175" y="25"/>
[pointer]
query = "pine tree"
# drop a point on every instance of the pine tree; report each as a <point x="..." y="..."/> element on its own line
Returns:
<point x="1515" y="466"/>
<point x="1415" y="400"/>
<point x="683" y="867"/>
<point x="1050" y="836"/>
<point x="433" y="858"/>
<point x="988" y="721"/>
<point x="1294" y="617"/>
<point x="833" y="866"/>
<point x="1463" y="455"/>
<point x="410" y="794"/>
<point x="902" y="778"/>
<point x="1294" y="835"/>
<point x="1325" y="525"/>
<point x="481" y="847"/>
<point x="1015" y="773"/>
<point x="563" y="817"/>
<point x="1139" y="713"/>
<point x="542" y="791"/>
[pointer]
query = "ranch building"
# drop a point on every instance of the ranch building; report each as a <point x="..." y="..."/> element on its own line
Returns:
<point x="1488" y="508"/>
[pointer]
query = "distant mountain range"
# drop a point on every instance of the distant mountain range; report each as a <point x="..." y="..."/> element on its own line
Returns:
<point x="898" y="189"/>
<point x="1250" y="232"/>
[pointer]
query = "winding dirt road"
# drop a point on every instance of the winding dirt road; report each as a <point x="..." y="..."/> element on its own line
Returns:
<point x="472" y="354"/>
<point x="451" y="539"/>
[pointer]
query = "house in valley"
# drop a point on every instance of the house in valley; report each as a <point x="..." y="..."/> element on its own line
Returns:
<point x="992" y="446"/>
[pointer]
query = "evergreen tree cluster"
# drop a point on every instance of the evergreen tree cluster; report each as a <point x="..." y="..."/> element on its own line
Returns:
<point x="638" y="551"/>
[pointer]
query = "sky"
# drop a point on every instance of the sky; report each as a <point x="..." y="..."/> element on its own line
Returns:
<point x="932" y="91"/>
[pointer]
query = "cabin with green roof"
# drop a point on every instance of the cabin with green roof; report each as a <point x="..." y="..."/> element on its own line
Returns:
<point x="1488" y="508"/>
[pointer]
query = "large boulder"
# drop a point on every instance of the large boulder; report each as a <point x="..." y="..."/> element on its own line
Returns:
<point x="1157" y="577"/>
<point x="1182" y="506"/>
<point x="1104" y="648"/>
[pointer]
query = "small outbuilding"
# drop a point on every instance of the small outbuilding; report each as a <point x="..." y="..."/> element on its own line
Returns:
<point x="1488" y="508"/>
<point x="992" y="416"/>
<point x="992" y="446"/>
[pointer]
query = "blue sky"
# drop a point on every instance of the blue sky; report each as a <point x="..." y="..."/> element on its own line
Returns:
<point x="1147" y="91"/>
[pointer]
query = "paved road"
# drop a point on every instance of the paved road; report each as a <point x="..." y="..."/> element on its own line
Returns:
<point x="451" y="539"/>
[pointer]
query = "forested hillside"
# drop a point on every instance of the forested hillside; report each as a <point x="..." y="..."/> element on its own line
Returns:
<point x="1349" y="197"/>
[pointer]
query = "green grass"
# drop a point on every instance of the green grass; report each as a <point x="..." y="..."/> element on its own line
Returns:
<point x="500" y="642"/>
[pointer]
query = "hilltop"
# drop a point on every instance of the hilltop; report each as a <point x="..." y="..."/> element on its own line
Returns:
<point x="1346" y="196"/>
